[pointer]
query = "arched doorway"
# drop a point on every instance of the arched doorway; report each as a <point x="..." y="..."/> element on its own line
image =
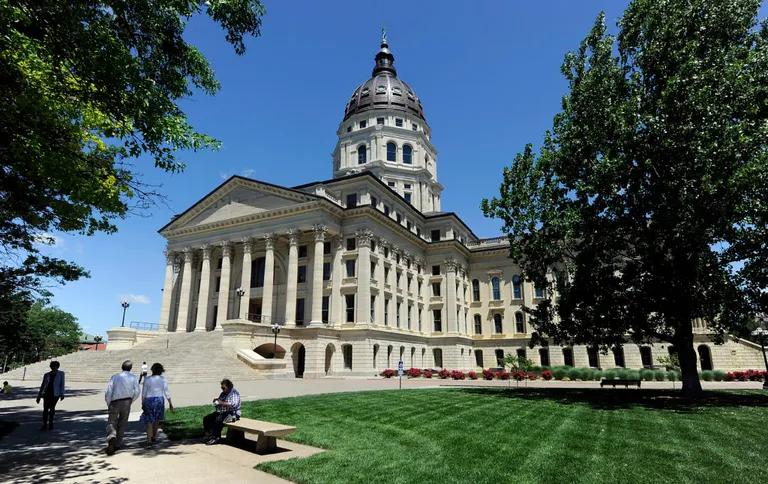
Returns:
<point x="330" y="350"/>
<point x="298" y="355"/>
<point x="705" y="357"/>
<point x="270" y="350"/>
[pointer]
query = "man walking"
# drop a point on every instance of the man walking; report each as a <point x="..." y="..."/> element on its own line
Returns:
<point x="52" y="392"/>
<point x="144" y="370"/>
<point x="122" y="390"/>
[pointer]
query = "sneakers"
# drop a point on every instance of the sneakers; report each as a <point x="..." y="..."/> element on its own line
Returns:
<point x="212" y="441"/>
<point x="111" y="445"/>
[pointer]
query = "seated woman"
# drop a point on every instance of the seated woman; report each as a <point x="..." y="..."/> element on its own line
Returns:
<point x="153" y="395"/>
<point x="227" y="409"/>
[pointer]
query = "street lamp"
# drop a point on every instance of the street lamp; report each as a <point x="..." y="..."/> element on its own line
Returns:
<point x="275" y="330"/>
<point x="97" y="339"/>
<point x="241" y="292"/>
<point x="762" y="335"/>
<point x="125" y="305"/>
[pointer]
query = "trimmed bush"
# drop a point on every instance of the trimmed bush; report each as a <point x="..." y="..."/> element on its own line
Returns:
<point x="443" y="374"/>
<point x="388" y="373"/>
<point x="502" y="375"/>
<point x="457" y="375"/>
<point x="707" y="375"/>
<point x="673" y="376"/>
<point x="646" y="375"/>
<point x="597" y="375"/>
<point x="574" y="374"/>
<point x="559" y="373"/>
<point x="427" y="373"/>
<point x="718" y="375"/>
<point x="611" y="374"/>
<point x="487" y="374"/>
<point x="472" y="375"/>
<point x="535" y="368"/>
<point x="659" y="375"/>
<point x="413" y="372"/>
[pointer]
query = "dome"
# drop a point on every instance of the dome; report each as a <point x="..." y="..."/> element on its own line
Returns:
<point x="384" y="90"/>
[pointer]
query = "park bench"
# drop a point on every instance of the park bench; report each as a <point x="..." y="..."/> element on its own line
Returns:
<point x="618" y="381"/>
<point x="266" y="431"/>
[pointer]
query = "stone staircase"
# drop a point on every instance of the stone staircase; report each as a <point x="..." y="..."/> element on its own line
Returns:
<point x="187" y="358"/>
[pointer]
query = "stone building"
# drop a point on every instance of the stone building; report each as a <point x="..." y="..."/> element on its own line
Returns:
<point x="363" y="270"/>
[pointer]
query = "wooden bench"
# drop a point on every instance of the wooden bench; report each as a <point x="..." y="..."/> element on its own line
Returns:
<point x="267" y="432"/>
<point x="614" y="382"/>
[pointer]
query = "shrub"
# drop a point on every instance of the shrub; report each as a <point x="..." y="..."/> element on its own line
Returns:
<point x="659" y="375"/>
<point x="502" y="375"/>
<point x="413" y="373"/>
<point x="427" y="373"/>
<point x="597" y="375"/>
<point x="443" y="374"/>
<point x="610" y="374"/>
<point x="559" y="373"/>
<point x="546" y="374"/>
<point x="536" y="368"/>
<point x="587" y="374"/>
<point x="574" y="374"/>
<point x="707" y="375"/>
<point x="472" y="375"/>
<point x="646" y="375"/>
<point x="457" y="375"/>
<point x="532" y="376"/>
<point x="388" y="373"/>
<point x="672" y="376"/>
<point x="487" y="374"/>
<point x="519" y="375"/>
<point x="623" y="374"/>
<point x="718" y="375"/>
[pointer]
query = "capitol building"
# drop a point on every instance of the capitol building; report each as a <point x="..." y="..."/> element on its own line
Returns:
<point x="364" y="269"/>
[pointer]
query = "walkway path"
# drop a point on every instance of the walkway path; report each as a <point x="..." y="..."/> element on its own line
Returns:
<point x="73" y="451"/>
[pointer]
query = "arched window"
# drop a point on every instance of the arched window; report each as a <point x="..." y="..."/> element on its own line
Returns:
<point x="475" y="290"/>
<point x="478" y="324"/>
<point x="519" y="322"/>
<point x="646" y="356"/>
<point x="499" y="358"/>
<point x="391" y="151"/>
<point x="496" y="285"/>
<point x="497" y="323"/>
<point x="437" y="354"/>
<point x="407" y="154"/>
<point x="544" y="356"/>
<point x="517" y="287"/>
<point x="362" y="155"/>
<point x="479" y="358"/>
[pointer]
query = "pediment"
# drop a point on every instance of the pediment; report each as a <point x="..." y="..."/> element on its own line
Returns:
<point x="238" y="198"/>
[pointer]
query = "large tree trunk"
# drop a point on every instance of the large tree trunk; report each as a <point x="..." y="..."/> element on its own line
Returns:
<point x="687" y="355"/>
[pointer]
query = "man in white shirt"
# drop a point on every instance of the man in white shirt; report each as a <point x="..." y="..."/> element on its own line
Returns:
<point x="144" y="370"/>
<point x="122" y="390"/>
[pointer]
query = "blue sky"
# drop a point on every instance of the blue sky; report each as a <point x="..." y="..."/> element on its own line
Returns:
<point x="488" y="75"/>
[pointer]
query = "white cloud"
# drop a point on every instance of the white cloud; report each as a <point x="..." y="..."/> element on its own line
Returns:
<point x="223" y="175"/>
<point x="249" y="172"/>
<point x="135" y="298"/>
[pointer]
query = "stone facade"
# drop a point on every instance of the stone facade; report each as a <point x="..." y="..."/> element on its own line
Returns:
<point x="363" y="270"/>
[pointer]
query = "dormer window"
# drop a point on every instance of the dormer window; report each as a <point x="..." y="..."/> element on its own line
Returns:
<point x="363" y="124"/>
<point x="380" y="121"/>
<point x="397" y="91"/>
<point x="381" y="89"/>
<point x="414" y="126"/>
<point x="398" y="122"/>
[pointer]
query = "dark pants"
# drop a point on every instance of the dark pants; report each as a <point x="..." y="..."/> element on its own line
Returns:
<point x="49" y="408"/>
<point x="213" y="423"/>
<point x="142" y="376"/>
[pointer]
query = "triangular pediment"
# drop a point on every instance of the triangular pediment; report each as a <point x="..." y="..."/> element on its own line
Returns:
<point x="237" y="198"/>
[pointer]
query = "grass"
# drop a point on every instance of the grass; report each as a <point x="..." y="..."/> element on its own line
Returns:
<point x="522" y="435"/>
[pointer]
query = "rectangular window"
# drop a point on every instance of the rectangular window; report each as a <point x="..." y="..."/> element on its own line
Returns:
<point x="398" y="314"/>
<point x="418" y="231"/>
<point x="302" y="251"/>
<point x="352" y="200"/>
<point x="521" y="353"/>
<point x="380" y="121"/>
<point x="437" y="320"/>
<point x="386" y="274"/>
<point x="350" y="302"/>
<point x="350" y="268"/>
<point x="398" y="122"/>
<point x="363" y="124"/>
<point x="373" y="269"/>
<point x="326" y="248"/>
<point x="399" y="218"/>
<point x="326" y="271"/>
<point x="300" y="311"/>
<point x="435" y="235"/>
<point x="544" y="356"/>
<point x="349" y="128"/>
<point x="302" y="274"/>
<point x="436" y="289"/>
<point x="218" y="284"/>
<point x="568" y="356"/>
<point x="479" y="358"/>
<point x="386" y="252"/>
<point x="386" y="311"/>
<point x="373" y="245"/>
<point x="373" y="308"/>
<point x="351" y="243"/>
<point x="414" y="127"/>
<point x="410" y="309"/>
<point x="407" y="186"/>
<point x="386" y="210"/>
<point x="407" y="196"/>
<point x="346" y="351"/>
<point x="397" y="279"/>
<point x="420" y="313"/>
<point x="374" y="202"/>
<point x="436" y="270"/>
<point x="257" y="272"/>
<point x="539" y="292"/>
<point x="409" y="225"/>
<point x="391" y="184"/>
<point x="324" y="317"/>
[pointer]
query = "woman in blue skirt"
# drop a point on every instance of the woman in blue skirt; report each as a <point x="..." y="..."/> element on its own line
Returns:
<point x="153" y="395"/>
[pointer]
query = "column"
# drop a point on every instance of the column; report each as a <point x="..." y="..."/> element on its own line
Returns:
<point x="317" y="276"/>
<point x="463" y="328"/>
<point x="186" y="290"/>
<point x="168" y="285"/>
<point x="450" y="296"/>
<point x="337" y="304"/>
<point x="392" y="309"/>
<point x="363" y="315"/>
<point x="292" y="277"/>
<point x="226" y="262"/>
<point x="379" y="276"/>
<point x="269" y="279"/>
<point x="205" y="287"/>
<point x="422" y="296"/>
<point x="245" y="278"/>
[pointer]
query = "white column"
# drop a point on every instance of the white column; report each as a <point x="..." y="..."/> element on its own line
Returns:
<point x="379" y="276"/>
<point x="363" y="277"/>
<point x="317" y="276"/>
<point x="204" y="294"/>
<point x="245" y="279"/>
<point x="450" y="296"/>
<point x="292" y="277"/>
<point x="226" y="263"/>
<point x="337" y="304"/>
<point x="422" y="295"/>
<point x="392" y="309"/>
<point x="462" y="302"/>
<point x="269" y="277"/>
<point x="168" y="285"/>
<point x="185" y="297"/>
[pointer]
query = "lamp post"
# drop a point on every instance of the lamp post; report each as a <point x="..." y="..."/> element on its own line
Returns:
<point x="97" y="339"/>
<point x="125" y="305"/>
<point x="762" y="335"/>
<point x="275" y="330"/>
<point x="240" y="293"/>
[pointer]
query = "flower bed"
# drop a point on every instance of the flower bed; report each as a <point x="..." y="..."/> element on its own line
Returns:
<point x="388" y="373"/>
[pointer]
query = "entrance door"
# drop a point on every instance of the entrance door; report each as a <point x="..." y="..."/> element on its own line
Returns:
<point x="298" y="362"/>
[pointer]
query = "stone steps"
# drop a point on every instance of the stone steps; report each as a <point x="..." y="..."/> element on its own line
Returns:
<point x="189" y="357"/>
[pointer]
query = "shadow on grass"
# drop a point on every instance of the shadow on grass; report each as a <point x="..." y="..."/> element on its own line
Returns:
<point x="618" y="399"/>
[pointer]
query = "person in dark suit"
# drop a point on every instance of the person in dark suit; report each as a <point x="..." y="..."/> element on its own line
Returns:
<point x="51" y="392"/>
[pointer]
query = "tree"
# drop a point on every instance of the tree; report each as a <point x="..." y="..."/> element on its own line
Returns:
<point x="51" y="331"/>
<point x="518" y="364"/>
<point x="86" y="88"/>
<point x="646" y="205"/>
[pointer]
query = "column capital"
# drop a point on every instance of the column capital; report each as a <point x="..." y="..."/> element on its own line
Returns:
<point x="189" y="254"/>
<point x="247" y="245"/>
<point x="339" y="242"/>
<point x="293" y="236"/>
<point x="419" y="261"/>
<point x="206" y="249"/>
<point x="170" y="256"/>
<point x="269" y="241"/>
<point x="320" y="230"/>
<point x="450" y="264"/>
<point x="406" y="257"/>
<point x="364" y="238"/>
<point x="226" y="248"/>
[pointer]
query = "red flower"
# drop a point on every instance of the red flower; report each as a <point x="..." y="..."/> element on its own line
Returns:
<point x="546" y="374"/>
<point x="472" y="375"/>
<point x="443" y="374"/>
<point x="457" y="375"/>
<point x="413" y="373"/>
<point x="487" y="374"/>
<point x="426" y="373"/>
<point x="502" y="375"/>
<point x="388" y="373"/>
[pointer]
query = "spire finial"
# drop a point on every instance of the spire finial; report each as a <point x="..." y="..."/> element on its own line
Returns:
<point x="383" y="35"/>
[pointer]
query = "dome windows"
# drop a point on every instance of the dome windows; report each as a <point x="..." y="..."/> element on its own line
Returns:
<point x="407" y="154"/>
<point x="362" y="155"/>
<point x="364" y="92"/>
<point x="363" y="124"/>
<point x="391" y="151"/>
<point x="399" y="122"/>
<point x="397" y="91"/>
<point x="381" y="89"/>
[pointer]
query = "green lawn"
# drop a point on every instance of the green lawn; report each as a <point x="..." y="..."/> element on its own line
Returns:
<point x="525" y="435"/>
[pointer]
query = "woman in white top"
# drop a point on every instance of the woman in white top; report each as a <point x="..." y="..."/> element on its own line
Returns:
<point x="153" y="395"/>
